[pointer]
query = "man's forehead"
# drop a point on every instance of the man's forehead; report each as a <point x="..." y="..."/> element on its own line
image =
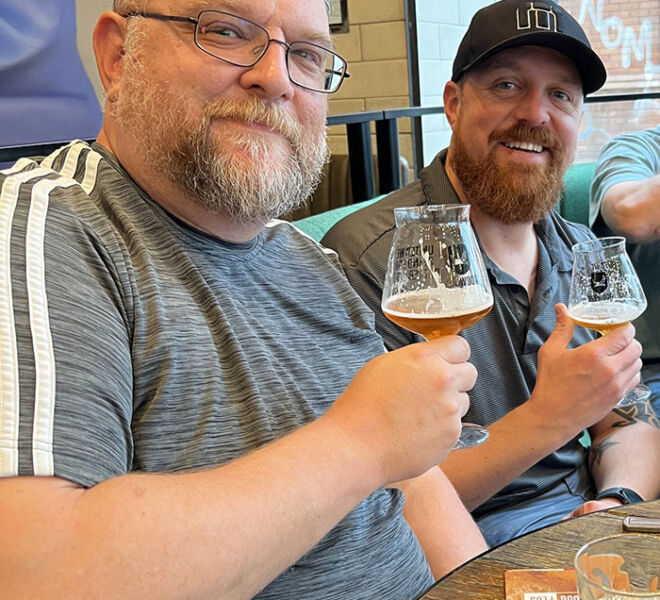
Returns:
<point x="199" y="5"/>
<point x="259" y="11"/>
<point x="241" y="7"/>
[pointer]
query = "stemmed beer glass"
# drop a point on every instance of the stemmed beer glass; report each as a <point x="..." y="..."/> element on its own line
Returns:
<point x="436" y="282"/>
<point x="606" y="293"/>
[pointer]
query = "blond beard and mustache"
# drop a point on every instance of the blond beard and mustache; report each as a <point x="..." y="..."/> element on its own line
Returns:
<point x="248" y="176"/>
<point x="515" y="193"/>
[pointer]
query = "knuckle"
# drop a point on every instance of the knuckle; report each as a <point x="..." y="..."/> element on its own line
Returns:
<point x="608" y="372"/>
<point x="419" y="352"/>
<point x="453" y="407"/>
<point x="445" y="379"/>
<point x="593" y="357"/>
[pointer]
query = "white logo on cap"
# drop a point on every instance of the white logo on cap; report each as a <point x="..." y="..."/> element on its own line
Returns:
<point x="537" y="18"/>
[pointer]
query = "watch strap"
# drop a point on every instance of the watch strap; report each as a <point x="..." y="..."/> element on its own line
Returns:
<point x="625" y="495"/>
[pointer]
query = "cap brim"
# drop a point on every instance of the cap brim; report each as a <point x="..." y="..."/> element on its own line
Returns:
<point x="591" y="68"/>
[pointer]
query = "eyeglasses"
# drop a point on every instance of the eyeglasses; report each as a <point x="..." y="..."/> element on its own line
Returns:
<point x="243" y="43"/>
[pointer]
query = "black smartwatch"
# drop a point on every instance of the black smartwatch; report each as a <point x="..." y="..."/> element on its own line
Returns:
<point x="625" y="495"/>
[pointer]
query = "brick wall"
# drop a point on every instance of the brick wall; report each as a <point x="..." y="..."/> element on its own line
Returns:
<point x="626" y="35"/>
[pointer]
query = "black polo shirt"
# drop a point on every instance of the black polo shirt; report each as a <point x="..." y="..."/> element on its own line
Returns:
<point x="505" y="343"/>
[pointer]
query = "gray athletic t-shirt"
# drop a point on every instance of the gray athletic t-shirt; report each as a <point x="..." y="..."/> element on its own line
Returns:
<point x="132" y="341"/>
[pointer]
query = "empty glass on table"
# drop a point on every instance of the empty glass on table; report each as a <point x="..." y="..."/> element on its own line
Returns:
<point x="619" y="567"/>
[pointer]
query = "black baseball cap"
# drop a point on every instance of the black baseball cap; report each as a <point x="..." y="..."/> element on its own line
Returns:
<point x="510" y="23"/>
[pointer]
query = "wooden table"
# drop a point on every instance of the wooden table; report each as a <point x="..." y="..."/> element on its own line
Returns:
<point x="551" y="547"/>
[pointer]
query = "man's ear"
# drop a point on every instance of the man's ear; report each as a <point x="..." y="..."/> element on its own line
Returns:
<point x="452" y="100"/>
<point x="108" y="40"/>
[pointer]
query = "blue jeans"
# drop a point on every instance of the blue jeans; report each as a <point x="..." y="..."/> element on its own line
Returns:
<point x="545" y="509"/>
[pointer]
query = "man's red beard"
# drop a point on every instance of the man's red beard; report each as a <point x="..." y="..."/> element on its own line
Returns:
<point x="515" y="193"/>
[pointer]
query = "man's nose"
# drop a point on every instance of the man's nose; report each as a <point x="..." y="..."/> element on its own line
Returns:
<point x="269" y="78"/>
<point x="533" y="108"/>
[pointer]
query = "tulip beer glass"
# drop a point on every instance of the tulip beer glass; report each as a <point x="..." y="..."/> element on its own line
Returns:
<point x="436" y="282"/>
<point x="606" y="293"/>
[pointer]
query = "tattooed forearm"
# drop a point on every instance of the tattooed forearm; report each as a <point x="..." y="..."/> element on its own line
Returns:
<point x="597" y="451"/>
<point x="637" y="413"/>
<point x="628" y="415"/>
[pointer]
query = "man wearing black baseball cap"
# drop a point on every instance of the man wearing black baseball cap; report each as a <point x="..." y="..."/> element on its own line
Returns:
<point x="511" y="23"/>
<point x="514" y="103"/>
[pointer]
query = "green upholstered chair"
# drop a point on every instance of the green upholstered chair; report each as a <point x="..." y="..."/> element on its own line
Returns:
<point x="574" y="203"/>
<point x="317" y="225"/>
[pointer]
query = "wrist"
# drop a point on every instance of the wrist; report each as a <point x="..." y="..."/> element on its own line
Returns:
<point x="359" y="458"/>
<point x="552" y="428"/>
<point x="624" y="495"/>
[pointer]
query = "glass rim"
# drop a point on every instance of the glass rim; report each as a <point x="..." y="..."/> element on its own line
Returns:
<point x="604" y="588"/>
<point x="597" y="244"/>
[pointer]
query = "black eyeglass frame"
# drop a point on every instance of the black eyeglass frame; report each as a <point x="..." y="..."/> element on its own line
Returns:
<point x="195" y="21"/>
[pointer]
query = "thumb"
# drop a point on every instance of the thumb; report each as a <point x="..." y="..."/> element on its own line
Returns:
<point x="564" y="326"/>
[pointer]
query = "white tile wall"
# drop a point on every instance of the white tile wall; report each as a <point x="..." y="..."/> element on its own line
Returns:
<point x="430" y="33"/>
<point x="468" y="8"/>
<point x="433" y="142"/>
<point x="450" y="38"/>
<point x="441" y="25"/>
<point x="431" y="75"/>
<point x="438" y="11"/>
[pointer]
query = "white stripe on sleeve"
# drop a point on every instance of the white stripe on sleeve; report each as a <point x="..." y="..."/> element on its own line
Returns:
<point x="44" y="359"/>
<point x="42" y="341"/>
<point x="9" y="392"/>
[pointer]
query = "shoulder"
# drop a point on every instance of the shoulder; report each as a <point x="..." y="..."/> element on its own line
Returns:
<point x="294" y="256"/>
<point x="36" y="187"/>
<point x="639" y="147"/>
<point x="74" y="184"/>
<point x="627" y="157"/>
<point x="300" y="248"/>
<point x="356" y="233"/>
<point x="636" y="141"/>
<point x="74" y="167"/>
<point x="370" y="229"/>
<point x="65" y="204"/>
